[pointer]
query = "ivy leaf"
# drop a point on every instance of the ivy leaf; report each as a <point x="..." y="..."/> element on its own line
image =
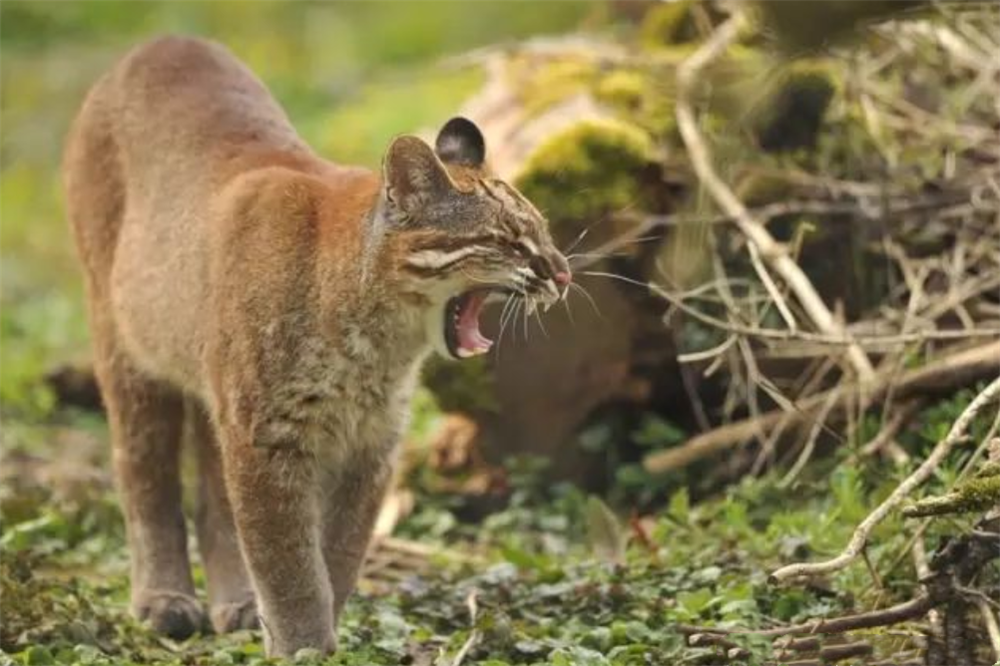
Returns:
<point x="605" y="533"/>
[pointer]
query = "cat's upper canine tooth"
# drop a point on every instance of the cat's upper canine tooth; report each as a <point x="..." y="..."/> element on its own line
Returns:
<point x="532" y="305"/>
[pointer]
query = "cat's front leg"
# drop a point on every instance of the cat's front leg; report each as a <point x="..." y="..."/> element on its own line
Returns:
<point x="350" y="509"/>
<point x="275" y="498"/>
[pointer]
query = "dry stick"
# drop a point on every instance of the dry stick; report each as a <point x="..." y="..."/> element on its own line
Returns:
<point x="901" y="612"/>
<point x="891" y="428"/>
<point x="907" y="610"/>
<point x="833" y="653"/>
<point x="895" y="206"/>
<point x="936" y="627"/>
<point x="990" y="620"/>
<point x="948" y="373"/>
<point x="962" y="475"/>
<point x="819" y="338"/>
<point x="814" y="433"/>
<point x="761" y="243"/>
<point x="474" y="634"/>
<point x="860" y="537"/>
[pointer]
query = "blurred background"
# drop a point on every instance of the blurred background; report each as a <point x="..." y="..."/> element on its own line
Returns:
<point x="350" y="78"/>
<point x="624" y="472"/>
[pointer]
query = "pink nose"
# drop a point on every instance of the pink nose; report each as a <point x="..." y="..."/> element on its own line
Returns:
<point x="563" y="278"/>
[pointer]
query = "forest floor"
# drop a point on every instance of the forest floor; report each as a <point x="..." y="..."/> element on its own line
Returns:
<point x="552" y="578"/>
<point x="550" y="574"/>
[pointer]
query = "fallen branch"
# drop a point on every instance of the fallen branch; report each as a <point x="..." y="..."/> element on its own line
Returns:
<point x="860" y="537"/>
<point x="834" y="653"/>
<point x="902" y="612"/>
<point x="761" y="244"/>
<point x="942" y="376"/>
<point x="974" y="495"/>
<point x="908" y="610"/>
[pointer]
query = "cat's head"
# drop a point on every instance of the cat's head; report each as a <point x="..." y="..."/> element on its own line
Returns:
<point x="466" y="236"/>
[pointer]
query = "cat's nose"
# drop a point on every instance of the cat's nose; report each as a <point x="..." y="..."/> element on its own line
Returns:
<point x="563" y="278"/>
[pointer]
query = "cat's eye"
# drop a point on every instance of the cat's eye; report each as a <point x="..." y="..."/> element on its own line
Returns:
<point x="522" y="249"/>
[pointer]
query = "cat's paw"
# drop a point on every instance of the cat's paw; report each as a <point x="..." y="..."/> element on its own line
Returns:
<point x="234" y="616"/>
<point x="171" y="614"/>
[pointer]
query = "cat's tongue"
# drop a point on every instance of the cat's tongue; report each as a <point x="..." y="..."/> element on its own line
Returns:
<point x="471" y="342"/>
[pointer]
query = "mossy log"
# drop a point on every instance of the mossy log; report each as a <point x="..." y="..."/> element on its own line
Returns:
<point x="552" y="129"/>
<point x="586" y="129"/>
<point x="979" y="493"/>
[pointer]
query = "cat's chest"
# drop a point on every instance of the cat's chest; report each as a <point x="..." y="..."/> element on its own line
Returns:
<point x="357" y="393"/>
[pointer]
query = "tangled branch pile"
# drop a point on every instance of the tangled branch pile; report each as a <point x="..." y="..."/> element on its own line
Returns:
<point x="825" y="246"/>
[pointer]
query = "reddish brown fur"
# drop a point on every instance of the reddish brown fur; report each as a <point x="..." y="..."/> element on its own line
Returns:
<point x="236" y="277"/>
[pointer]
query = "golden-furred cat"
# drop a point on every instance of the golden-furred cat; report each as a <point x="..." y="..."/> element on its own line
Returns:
<point x="282" y="304"/>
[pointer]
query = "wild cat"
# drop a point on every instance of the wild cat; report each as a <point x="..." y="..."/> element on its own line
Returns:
<point x="282" y="304"/>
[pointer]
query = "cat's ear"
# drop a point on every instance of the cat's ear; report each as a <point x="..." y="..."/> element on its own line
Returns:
<point x="413" y="174"/>
<point x="461" y="142"/>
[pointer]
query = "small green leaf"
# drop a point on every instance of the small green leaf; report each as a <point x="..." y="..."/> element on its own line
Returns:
<point x="605" y="533"/>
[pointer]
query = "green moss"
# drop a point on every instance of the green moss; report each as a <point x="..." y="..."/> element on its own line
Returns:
<point x="622" y="87"/>
<point x="461" y="387"/>
<point x="678" y="22"/>
<point x="642" y="97"/>
<point x="540" y="87"/>
<point x="988" y="469"/>
<point x="979" y="493"/>
<point x="587" y="170"/>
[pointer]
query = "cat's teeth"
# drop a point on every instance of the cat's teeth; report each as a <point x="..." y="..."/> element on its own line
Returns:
<point x="469" y="353"/>
<point x="531" y="307"/>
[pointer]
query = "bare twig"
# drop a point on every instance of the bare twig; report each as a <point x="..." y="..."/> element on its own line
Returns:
<point x="934" y="621"/>
<point x="833" y="653"/>
<point x="888" y="433"/>
<point x="814" y="433"/>
<point x="763" y="246"/>
<point x="948" y="373"/>
<point x="820" y="338"/>
<point x="860" y="537"/>
<point x="992" y="628"/>
<point x="474" y="635"/>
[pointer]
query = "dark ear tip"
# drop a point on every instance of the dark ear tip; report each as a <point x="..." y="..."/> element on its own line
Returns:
<point x="461" y="125"/>
<point x="461" y="142"/>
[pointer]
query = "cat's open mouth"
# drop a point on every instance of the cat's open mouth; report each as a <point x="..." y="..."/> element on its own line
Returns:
<point x="461" y="322"/>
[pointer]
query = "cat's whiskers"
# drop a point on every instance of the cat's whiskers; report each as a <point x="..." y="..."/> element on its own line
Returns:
<point x="590" y="299"/>
<point x="524" y="317"/>
<point x="504" y="318"/>
<point x="579" y="239"/>
<point x="615" y="276"/>
<point x="569" y="310"/>
<point x="538" y="316"/>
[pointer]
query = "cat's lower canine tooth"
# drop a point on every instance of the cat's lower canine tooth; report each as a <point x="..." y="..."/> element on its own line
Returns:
<point x="282" y="304"/>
